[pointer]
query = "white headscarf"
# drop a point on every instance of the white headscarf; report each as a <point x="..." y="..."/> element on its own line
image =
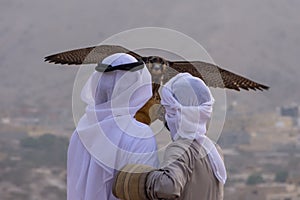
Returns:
<point x="188" y="103"/>
<point x="108" y="129"/>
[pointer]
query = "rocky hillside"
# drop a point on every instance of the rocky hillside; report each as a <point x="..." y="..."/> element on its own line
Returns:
<point x="258" y="38"/>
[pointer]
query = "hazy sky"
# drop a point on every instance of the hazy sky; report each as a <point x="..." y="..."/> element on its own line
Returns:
<point x="257" y="38"/>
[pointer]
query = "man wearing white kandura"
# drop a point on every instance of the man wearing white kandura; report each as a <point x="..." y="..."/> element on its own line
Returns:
<point x="107" y="136"/>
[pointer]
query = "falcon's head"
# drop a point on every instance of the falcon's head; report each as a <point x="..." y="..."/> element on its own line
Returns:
<point x="157" y="67"/>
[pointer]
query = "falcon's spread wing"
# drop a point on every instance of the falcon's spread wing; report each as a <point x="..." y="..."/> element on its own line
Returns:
<point x="161" y="70"/>
<point x="213" y="75"/>
<point x="88" y="55"/>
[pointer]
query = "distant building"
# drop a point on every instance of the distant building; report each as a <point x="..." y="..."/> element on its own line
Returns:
<point x="234" y="138"/>
<point x="291" y="111"/>
<point x="269" y="192"/>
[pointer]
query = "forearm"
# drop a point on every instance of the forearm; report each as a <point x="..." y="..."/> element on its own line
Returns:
<point x="169" y="181"/>
<point x="161" y="185"/>
<point x="165" y="183"/>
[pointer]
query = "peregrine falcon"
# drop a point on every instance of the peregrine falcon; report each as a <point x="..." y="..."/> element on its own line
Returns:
<point x="161" y="69"/>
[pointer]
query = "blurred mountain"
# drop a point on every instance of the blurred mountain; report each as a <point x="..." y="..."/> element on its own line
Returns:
<point x="259" y="39"/>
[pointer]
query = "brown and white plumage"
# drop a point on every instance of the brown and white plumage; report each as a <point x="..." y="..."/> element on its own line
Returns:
<point x="161" y="69"/>
<point x="88" y="55"/>
<point x="211" y="74"/>
<point x="215" y="76"/>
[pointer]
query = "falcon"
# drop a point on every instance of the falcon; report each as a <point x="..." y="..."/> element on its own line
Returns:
<point x="161" y="70"/>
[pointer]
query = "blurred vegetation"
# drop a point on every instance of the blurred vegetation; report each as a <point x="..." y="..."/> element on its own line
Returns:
<point x="254" y="179"/>
<point x="46" y="150"/>
<point x="54" y="191"/>
<point x="33" y="152"/>
<point x="281" y="176"/>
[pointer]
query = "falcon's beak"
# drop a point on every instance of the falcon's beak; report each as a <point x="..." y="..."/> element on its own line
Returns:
<point x="156" y="69"/>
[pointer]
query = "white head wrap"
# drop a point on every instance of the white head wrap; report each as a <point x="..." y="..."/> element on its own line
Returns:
<point x="108" y="129"/>
<point x="188" y="103"/>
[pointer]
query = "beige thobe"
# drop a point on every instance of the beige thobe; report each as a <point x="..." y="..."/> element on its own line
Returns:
<point x="186" y="174"/>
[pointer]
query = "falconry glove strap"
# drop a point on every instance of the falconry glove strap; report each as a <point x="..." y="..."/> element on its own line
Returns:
<point x="130" y="182"/>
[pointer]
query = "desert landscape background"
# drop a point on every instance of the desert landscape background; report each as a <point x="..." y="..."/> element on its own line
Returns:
<point x="259" y="39"/>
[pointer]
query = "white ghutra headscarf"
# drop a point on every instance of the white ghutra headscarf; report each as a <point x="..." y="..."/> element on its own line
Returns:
<point x="189" y="104"/>
<point x="108" y="129"/>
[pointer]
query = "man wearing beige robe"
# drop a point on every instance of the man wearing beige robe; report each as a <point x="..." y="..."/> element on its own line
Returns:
<point x="193" y="167"/>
